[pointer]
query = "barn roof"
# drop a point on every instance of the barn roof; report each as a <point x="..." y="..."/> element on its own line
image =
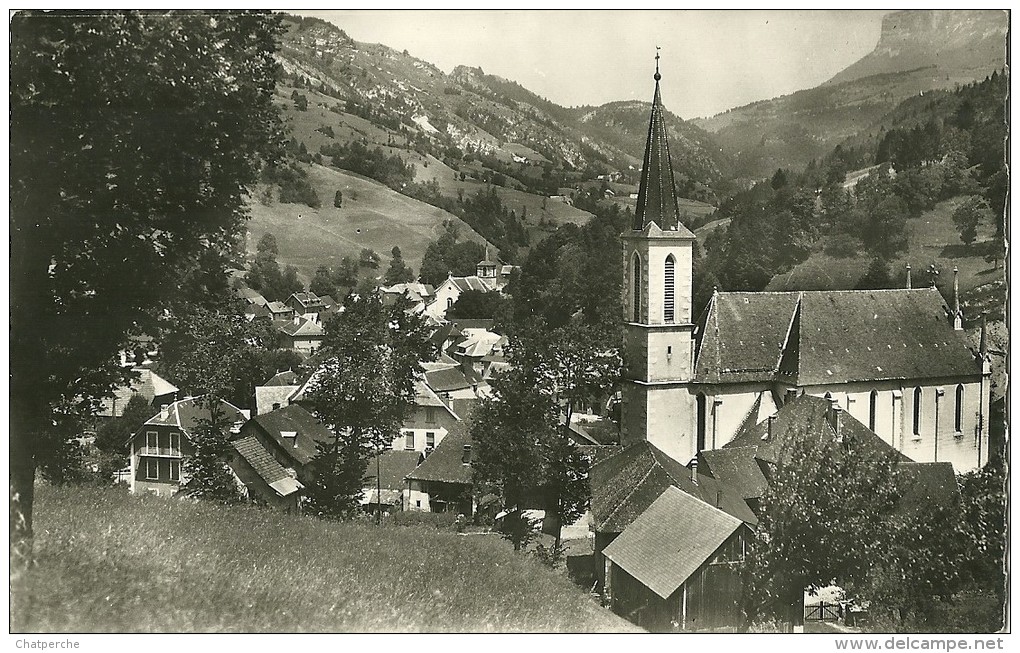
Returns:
<point x="265" y="465"/>
<point x="670" y="540"/>
<point x="394" y="466"/>
<point x="446" y="463"/>
<point x="625" y="484"/>
<point x="294" y="419"/>
<point x="824" y="337"/>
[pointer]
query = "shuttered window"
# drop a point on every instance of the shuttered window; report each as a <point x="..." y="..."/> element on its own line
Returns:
<point x="667" y="304"/>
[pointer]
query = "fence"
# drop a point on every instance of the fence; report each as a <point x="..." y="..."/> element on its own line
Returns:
<point x="823" y="612"/>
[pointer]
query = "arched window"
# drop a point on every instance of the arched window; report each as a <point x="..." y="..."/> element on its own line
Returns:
<point x="449" y="302"/>
<point x="667" y="300"/>
<point x="702" y="415"/>
<point x="958" y="421"/>
<point x="636" y="295"/>
<point x="872" y="409"/>
<point x="917" y="411"/>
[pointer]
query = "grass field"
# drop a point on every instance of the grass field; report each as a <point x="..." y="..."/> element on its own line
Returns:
<point x="372" y="216"/>
<point x="112" y="562"/>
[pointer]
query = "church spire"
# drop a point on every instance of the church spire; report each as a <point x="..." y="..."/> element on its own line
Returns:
<point x="657" y="201"/>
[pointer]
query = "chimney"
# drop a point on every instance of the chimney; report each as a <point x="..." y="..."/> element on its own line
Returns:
<point x="297" y="320"/>
<point x="694" y="470"/>
<point x="908" y="276"/>
<point x="771" y="428"/>
<point x="957" y="313"/>
<point x="835" y="417"/>
<point x="465" y="456"/>
<point x="164" y="412"/>
<point x="718" y="498"/>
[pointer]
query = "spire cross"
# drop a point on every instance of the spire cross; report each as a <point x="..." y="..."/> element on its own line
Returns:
<point x="657" y="75"/>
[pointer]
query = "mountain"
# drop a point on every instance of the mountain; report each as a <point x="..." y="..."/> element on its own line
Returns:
<point x="957" y="42"/>
<point x="917" y="52"/>
<point x="483" y="150"/>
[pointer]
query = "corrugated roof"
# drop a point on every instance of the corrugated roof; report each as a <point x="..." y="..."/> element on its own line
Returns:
<point x="670" y="540"/>
<point x="294" y="418"/>
<point x="446" y="462"/>
<point x="265" y="465"/>
<point x="823" y="337"/>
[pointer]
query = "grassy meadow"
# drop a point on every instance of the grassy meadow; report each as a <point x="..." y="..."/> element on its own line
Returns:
<point x="112" y="562"/>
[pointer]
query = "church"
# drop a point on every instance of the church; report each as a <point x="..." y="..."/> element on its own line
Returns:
<point x="896" y="360"/>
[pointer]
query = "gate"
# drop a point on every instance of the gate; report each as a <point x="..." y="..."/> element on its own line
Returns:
<point x="823" y="612"/>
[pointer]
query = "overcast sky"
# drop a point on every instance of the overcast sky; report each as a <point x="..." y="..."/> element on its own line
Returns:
<point x="711" y="60"/>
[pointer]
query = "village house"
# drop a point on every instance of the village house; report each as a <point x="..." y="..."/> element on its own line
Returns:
<point x="429" y="422"/>
<point x="305" y="302"/>
<point x="489" y="277"/>
<point x="292" y="437"/>
<point x="249" y="296"/>
<point x="443" y="481"/>
<point x="300" y="334"/>
<point x="276" y="392"/>
<point x="385" y="484"/>
<point x="280" y="311"/>
<point x="158" y="448"/>
<point x="419" y="294"/>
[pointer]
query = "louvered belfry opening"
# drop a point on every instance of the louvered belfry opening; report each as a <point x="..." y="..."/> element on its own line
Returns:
<point x="636" y="295"/>
<point x="667" y="300"/>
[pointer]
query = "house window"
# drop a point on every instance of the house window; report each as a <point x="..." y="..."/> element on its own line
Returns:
<point x="430" y="439"/>
<point x="636" y="294"/>
<point x="667" y="304"/>
<point x="409" y="440"/>
<point x="917" y="412"/>
<point x="430" y="415"/>
<point x="151" y="441"/>
<point x="175" y="470"/>
<point x="449" y="303"/>
<point x="152" y="468"/>
<point x="958" y="421"/>
<point x="873" y="409"/>
<point x="175" y="444"/>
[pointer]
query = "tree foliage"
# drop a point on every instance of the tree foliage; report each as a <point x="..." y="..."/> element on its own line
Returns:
<point x="364" y="390"/>
<point x="971" y="213"/>
<point x="399" y="271"/>
<point x="134" y="140"/>
<point x="448" y="255"/>
<point x="205" y="473"/>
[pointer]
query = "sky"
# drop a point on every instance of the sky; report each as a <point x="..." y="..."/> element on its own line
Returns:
<point x="711" y="60"/>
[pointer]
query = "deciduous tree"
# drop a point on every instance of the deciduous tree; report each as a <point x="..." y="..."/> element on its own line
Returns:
<point x="134" y="139"/>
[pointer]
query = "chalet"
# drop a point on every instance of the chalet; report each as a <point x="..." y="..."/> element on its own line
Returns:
<point x="265" y="480"/>
<point x="305" y="302"/>
<point x="292" y="437"/>
<point x="280" y="311"/>
<point x="159" y="447"/>
<point x="156" y="391"/>
<point x="300" y="334"/>
<point x="389" y="489"/>
<point x="443" y="481"/>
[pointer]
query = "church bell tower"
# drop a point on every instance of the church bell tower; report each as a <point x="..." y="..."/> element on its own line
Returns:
<point x="659" y="333"/>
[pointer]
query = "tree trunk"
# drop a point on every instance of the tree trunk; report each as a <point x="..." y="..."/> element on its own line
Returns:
<point x="22" y="482"/>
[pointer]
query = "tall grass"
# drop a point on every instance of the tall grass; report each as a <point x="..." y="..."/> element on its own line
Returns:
<point x="111" y="562"/>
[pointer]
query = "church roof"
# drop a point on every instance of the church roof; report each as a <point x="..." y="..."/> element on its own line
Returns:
<point x="657" y="199"/>
<point x="824" y="337"/>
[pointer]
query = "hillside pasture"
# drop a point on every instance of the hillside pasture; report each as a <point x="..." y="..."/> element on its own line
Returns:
<point x="372" y="216"/>
<point x="112" y="562"/>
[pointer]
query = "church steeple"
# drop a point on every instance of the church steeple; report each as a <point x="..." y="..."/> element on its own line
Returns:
<point x="657" y="201"/>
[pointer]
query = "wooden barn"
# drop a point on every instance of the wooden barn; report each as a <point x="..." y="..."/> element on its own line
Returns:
<point x="677" y="566"/>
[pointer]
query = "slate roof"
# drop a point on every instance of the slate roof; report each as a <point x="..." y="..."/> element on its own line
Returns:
<point x="823" y="337"/>
<point x="186" y="414"/>
<point x="473" y="283"/>
<point x="294" y="419"/>
<point x="445" y="463"/>
<point x="657" y="198"/>
<point x="266" y="396"/>
<point x="807" y="417"/>
<point x="394" y="466"/>
<point x="265" y="465"/>
<point x="736" y="468"/>
<point x="624" y="485"/>
<point x="447" y="380"/>
<point x="670" y="540"/>
<point x="924" y="486"/>
<point x="303" y="329"/>
<point x="148" y="384"/>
